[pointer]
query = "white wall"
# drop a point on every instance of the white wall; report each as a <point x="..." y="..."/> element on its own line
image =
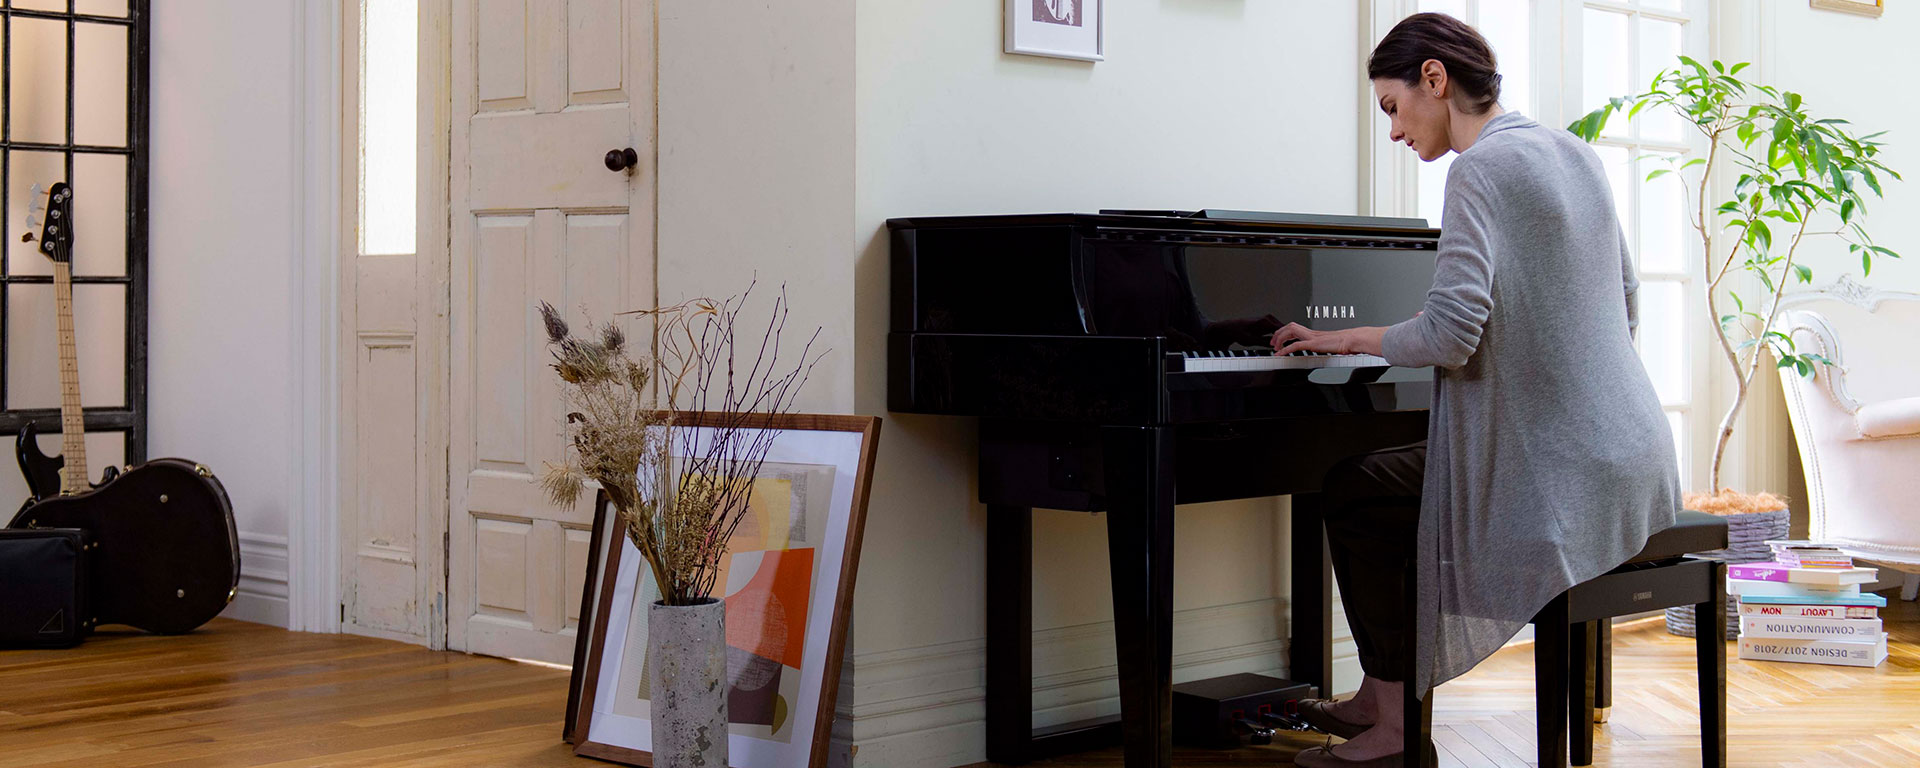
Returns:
<point x="1801" y="52"/>
<point x="223" y="298"/>
<point x="756" y="169"/>
<point x="1200" y="103"/>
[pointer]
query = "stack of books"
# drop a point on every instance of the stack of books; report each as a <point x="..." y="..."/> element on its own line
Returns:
<point x="1807" y="607"/>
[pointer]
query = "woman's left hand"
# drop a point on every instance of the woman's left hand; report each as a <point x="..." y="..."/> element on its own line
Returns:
<point x="1294" y="337"/>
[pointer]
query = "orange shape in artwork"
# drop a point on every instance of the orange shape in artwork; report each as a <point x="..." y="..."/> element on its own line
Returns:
<point x="768" y="616"/>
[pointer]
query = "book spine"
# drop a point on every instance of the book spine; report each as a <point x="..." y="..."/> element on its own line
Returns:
<point x="1851" y="654"/>
<point x="1758" y="572"/>
<point x="1748" y="587"/>
<point x="1809" y="611"/>
<point x="1810" y="629"/>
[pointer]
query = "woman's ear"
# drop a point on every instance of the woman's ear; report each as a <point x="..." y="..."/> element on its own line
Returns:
<point x="1433" y="78"/>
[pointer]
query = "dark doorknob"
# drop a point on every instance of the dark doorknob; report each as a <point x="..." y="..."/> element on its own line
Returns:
<point x="622" y="159"/>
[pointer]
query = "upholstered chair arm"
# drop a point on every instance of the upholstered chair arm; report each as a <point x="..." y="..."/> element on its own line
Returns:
<point x="1891" y="418"/>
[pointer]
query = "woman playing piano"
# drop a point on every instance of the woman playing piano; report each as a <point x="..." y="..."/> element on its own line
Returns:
<point x="1547" y="460"/>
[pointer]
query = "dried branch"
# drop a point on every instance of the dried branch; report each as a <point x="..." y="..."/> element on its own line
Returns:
<point x="682" y="492"/>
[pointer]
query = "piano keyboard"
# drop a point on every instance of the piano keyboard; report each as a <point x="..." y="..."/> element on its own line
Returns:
<point x="1265" y="360"/>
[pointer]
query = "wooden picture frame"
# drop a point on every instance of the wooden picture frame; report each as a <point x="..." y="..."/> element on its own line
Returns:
<point x="604" y="521"/>
<point x="1862" y="7"/>
<point x="809" y="449"/>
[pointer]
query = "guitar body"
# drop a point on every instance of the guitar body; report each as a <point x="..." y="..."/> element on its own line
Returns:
<point x="168" y="558"/>
<point x="41" y="471"/>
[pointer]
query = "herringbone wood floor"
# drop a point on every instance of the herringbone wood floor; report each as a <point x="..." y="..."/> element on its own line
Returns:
<point x="237" y="694"/>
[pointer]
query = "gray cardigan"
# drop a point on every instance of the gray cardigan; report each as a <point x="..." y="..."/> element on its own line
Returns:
<point x="1549" y="460"/>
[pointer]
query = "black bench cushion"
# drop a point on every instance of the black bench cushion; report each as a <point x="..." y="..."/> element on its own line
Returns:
<point x="1691" y="532"/>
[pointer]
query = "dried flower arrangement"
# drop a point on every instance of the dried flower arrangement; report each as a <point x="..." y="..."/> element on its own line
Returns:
<point x="681" y="498"/>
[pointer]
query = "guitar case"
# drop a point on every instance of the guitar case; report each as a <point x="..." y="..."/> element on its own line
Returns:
<point x="167" y="557"/>
<point x="44" y="576"/>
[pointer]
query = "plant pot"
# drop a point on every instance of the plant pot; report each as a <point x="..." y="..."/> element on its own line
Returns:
<point x="1747" y="535"/>
<point x="687" y="685"/>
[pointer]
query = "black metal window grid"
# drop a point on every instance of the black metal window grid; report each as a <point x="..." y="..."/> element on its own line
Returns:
<point x="130" y="417"/>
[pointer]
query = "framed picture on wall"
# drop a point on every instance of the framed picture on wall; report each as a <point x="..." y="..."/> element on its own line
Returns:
<point x="1862" y="7"/>
<point x="1066" y="29"/>
<point x="787" y="580"/>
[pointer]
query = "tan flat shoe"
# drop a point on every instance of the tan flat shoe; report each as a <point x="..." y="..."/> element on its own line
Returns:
<point x="1317" y="714"/>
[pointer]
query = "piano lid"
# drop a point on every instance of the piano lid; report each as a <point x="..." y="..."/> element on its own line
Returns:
<point x="1200" y="221"/>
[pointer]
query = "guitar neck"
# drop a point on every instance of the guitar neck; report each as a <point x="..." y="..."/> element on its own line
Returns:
<point x="73" y="444"/>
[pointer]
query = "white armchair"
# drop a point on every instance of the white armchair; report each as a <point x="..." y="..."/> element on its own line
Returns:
<point x="1858" y="424"/>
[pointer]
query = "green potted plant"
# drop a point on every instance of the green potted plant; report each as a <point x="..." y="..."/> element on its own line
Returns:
<point x="680" y="494"/>
<point x="1800" y="176"/>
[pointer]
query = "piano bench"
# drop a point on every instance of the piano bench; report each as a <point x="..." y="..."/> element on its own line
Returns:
<point x="1572" y="664"/>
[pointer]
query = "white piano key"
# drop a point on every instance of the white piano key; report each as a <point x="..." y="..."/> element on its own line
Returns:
<point x="1284" y="362"/>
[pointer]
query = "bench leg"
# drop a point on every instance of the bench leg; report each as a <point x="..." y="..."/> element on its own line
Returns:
<point x="1710" y="637"/>
<point x="1582" y="652"/>
<point x="1550" y="664"/>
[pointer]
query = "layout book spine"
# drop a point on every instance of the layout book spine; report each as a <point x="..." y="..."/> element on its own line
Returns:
<point x="1868" y="599"/>
<point x="1842" y="652"/>
<point x="1809" y="611"/>
<point x="1859" y="630"/>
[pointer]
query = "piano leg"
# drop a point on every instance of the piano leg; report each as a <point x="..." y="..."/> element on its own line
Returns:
<point x="1009" y="633"/>
<point x="1310" y="652"/>
<point x="1139" y="465"/>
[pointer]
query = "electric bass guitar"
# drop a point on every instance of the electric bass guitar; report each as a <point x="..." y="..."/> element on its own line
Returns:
<point x="166" y="555"/>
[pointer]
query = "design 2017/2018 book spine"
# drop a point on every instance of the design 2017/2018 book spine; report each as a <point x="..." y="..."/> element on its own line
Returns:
<point x="1841" y="652"/>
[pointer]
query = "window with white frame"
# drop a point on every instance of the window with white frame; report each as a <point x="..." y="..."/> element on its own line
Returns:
<point x="1558" y="60"/>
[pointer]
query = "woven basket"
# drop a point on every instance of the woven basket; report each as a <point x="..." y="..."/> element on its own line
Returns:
<point x="1747" y="536"/>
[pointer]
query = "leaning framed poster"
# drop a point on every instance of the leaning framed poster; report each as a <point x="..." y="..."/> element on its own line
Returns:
<point x="603" y="520"/>
<point x="1066" y="29"/>
<point x="787" y="580"/>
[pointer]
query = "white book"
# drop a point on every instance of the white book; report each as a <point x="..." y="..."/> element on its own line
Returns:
<point x="1842" y="652"/>
<point x="1810" y="629"/>
<point x="1751" y="587"/>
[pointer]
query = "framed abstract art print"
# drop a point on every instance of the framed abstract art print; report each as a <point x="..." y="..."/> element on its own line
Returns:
<point x="1066" y="29"/>
<point x="787" y="581"/>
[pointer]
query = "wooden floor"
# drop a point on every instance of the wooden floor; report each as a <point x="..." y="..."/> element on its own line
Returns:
<point x="238" y="694"/>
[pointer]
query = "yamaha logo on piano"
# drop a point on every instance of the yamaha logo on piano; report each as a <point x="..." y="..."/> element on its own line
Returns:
<point x="1319" y="311"/>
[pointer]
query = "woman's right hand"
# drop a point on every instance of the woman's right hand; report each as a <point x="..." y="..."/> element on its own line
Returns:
<point x="1292" y="332"/>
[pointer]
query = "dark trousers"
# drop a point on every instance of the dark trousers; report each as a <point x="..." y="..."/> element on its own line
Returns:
<point x="1373" y="514"/>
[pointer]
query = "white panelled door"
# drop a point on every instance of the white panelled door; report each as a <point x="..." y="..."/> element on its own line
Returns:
<point x="542" y="90"/>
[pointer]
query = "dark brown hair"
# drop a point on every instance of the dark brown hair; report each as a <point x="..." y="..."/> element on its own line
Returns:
<point x="1460" y="48"/>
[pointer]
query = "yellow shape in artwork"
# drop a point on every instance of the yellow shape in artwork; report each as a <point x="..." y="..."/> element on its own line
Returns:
<point x="768" y="522"/>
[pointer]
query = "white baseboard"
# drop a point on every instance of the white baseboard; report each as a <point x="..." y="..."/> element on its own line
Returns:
<point x="262" y="597"/>
<point x="925" y="707"/>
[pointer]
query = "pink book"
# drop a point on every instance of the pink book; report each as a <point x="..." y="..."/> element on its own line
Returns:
<point x="1782" y="572"/>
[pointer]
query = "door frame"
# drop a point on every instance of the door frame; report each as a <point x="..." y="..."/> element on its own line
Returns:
<point x="313" y="559"/>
